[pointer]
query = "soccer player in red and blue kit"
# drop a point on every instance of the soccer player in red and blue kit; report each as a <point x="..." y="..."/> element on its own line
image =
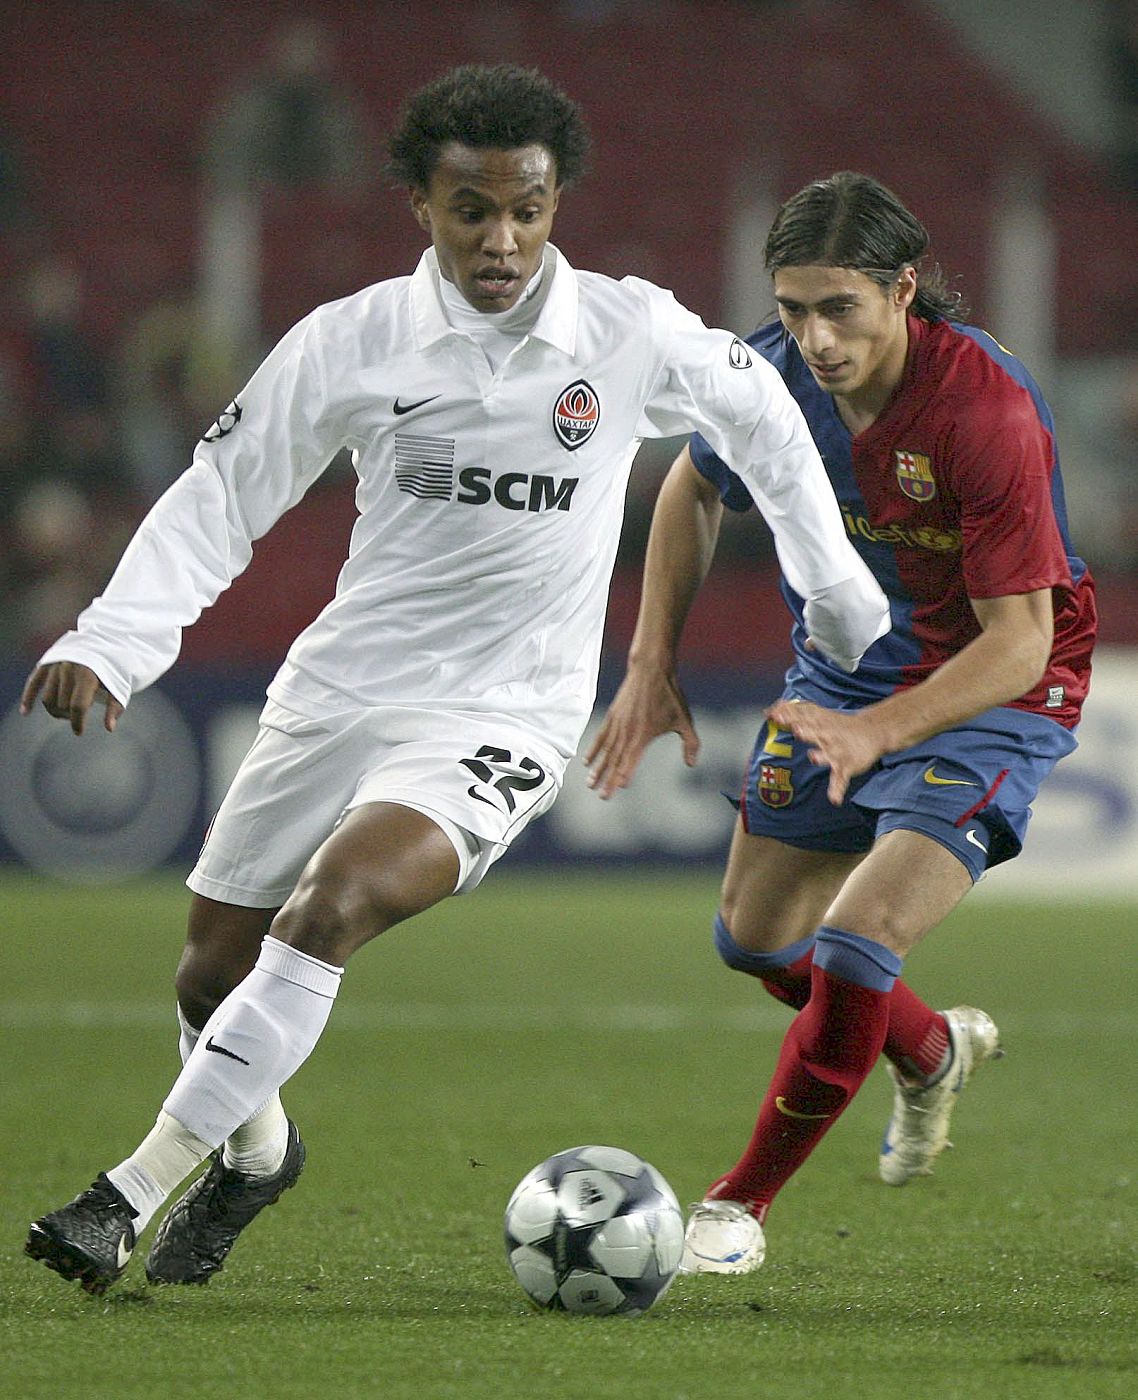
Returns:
<point x="873" y="801"/>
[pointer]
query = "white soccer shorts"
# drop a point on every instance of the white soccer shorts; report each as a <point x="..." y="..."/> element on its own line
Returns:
<point x="480" y="782"/>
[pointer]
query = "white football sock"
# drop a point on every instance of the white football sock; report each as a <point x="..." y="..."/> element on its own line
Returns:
<point x="187" y="1034"/>
<point x="257" y="1039"/>
<point x="162" y="1161"/>
<point x="258" y="1146"/>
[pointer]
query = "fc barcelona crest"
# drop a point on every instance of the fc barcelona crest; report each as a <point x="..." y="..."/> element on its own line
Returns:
<point x="576" y="415"/>
<point x="775" y="787"/>
<point x="915" y="475"/>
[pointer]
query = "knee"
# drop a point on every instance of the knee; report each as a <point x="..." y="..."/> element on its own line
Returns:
<point x="330" y="915"/>
<point x="748" y="925"/>
<point x="784" y="972"/>
<point x="733" y="954"/>
<point x="202" y="982"/>
<point x="760" y="961"/>
<point x="222" y="945"/>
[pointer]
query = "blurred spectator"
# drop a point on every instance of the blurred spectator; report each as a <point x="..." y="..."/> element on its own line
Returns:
<point x="1122" y="66"/>
<point x="173" y="380"/>
<point x="1128" y="461"/>
<point x="67" y="385"/>
<point x="66" y="493"/>
<point x="292" y="125"/>
<point x="18" y="474"/>
<point x="292" y="128"/>
<point x="15" y="207"/>
<point x="65" y="370"/>
<point x="86" y="453"/>
<point x="173" y="374"/>
<point x="1098" y="409"/>
<point x="49" y="533"/>
<point x="63" y="521"/>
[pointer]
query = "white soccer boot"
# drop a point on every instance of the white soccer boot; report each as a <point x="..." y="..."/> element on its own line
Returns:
<point x="918" y="1130"/>
<point x="722" y="1237"/>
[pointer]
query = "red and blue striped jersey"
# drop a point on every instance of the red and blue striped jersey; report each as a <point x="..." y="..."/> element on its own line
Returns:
<point x="954" y="492"/>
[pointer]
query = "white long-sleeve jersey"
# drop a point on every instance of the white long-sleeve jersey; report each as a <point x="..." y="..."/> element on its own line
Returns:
<point x="490" y="504"/>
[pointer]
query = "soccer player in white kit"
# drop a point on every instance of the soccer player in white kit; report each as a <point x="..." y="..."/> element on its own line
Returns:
<point x="493" y="402"/>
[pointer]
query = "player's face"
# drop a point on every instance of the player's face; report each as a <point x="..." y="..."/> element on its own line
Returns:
<point x="852" y="331"/>
<point x="489" y="214"/>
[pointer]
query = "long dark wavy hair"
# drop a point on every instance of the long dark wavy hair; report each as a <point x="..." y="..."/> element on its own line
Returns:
<point x="851" y="220"/>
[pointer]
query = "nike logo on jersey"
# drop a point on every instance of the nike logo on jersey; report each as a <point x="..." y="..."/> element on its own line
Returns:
<point x="122" y="1257"/>
<point x="971" y="836"/>
<point x="216" y="1049"/>
<point x="931" y="777"/>
<point x="400" y="409"/>
<point x="784" y="1108"/>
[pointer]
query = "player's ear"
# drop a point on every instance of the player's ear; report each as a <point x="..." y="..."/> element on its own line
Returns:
<point x="905" y="288"/>
<point x="420" y="209"/>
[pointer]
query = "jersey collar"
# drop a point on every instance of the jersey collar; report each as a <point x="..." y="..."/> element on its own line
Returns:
<point x="556" y="324"/>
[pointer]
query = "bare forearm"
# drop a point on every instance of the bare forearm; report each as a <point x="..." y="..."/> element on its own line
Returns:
<point x="1005" y="661"/>
<point x="999" y="665"/>
<point x="681" y="544"/>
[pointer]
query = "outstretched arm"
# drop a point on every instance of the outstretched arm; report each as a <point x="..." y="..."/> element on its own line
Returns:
<point x="1004" y="662"/>
<point x="753" y="424"/>
<point x="264" y="453"/>
<point x="685" y="527"/>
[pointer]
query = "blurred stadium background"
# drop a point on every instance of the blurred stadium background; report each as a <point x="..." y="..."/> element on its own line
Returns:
<point x="180" y="180"/>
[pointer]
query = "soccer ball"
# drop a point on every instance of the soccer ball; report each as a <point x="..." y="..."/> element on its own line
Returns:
<point x="594" y="1230"/>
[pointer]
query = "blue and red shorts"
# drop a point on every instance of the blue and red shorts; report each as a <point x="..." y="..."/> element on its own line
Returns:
<point x="968" y="788"/>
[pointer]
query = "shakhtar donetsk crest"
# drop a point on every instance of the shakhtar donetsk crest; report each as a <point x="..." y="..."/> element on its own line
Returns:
<point x="915" y="475"/>
<point x="576" y="415"/>
<point x="775" y="788"/>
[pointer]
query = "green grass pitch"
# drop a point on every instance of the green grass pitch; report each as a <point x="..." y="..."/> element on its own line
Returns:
<point x="535" y="1015"/>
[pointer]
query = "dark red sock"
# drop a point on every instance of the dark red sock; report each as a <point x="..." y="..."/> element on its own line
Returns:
<point x="831" y="1046"/>
<point x="790" y="984"/>
<point x="917" y="1039"/>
